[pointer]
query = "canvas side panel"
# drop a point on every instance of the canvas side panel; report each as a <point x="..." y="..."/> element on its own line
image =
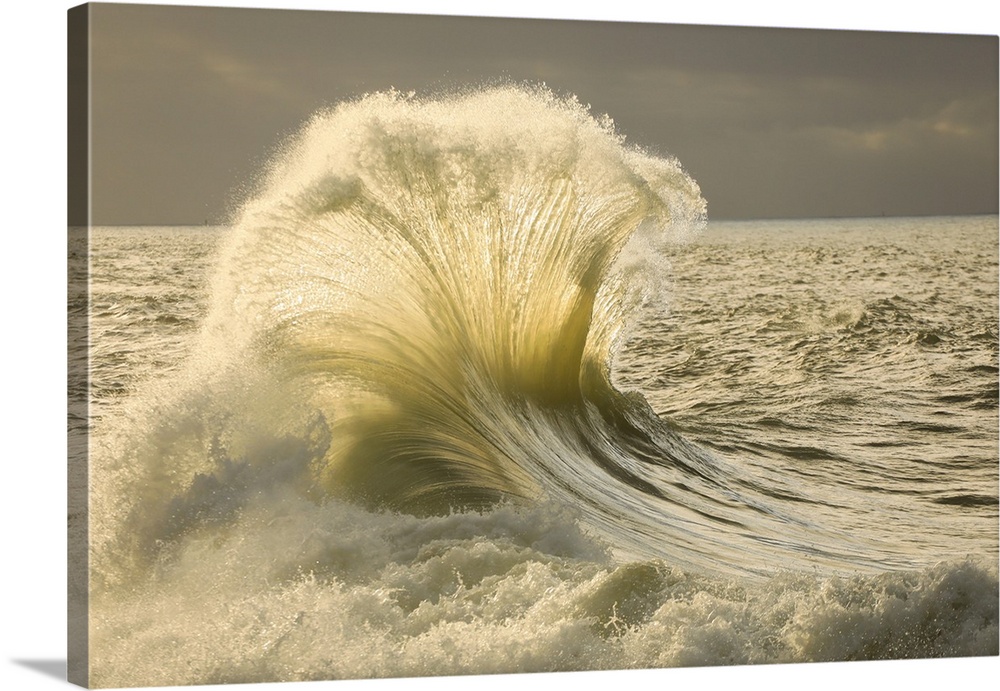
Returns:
<point x="78" y="345"/>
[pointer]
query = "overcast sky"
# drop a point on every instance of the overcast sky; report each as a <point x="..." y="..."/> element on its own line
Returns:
<point x="187" y="102"/>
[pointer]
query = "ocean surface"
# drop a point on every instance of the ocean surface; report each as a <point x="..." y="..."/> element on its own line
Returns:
<point x="471" y="386"/>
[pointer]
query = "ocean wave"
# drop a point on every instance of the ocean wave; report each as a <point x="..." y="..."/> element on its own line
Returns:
<point x="396" y="448"/>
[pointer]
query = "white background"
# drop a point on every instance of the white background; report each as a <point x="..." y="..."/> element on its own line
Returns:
<point x="33" y="335"/>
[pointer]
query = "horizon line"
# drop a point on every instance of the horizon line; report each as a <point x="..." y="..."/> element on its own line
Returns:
<point x="226" y="224"/>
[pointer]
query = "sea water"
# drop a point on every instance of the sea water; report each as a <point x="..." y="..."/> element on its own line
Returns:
<point x="470" y="386"/>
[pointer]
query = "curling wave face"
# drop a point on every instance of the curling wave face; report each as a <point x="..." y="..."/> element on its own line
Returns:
<point x="448" y="269"/>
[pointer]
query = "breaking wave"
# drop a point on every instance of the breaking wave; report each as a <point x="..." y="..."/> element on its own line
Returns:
<point x="400" y="420"/>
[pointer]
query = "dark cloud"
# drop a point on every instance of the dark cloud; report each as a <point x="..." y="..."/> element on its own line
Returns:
<point x="771" y="122"/>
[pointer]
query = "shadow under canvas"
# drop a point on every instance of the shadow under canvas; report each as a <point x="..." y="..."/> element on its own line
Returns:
<point x="50" y="668"/>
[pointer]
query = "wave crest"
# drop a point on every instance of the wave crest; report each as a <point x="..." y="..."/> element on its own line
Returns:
<point x="433" y="265"/>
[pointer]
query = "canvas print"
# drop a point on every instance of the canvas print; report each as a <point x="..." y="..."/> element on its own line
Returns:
<point x="407" y="346"/>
